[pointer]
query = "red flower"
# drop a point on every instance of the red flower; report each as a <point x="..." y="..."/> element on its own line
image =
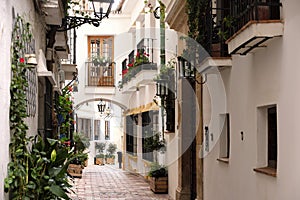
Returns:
<point x="67" y="143"/>
<point x="124" y="71"/>
<point x="70" y="89"/>
<point x="130" y="65"/>
<point x="22" y="60"/>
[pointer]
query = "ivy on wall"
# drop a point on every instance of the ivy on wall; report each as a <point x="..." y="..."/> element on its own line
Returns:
<point x="17" y="168"/>
<point x="196" y="11"/>
<point x="38" y="168"/>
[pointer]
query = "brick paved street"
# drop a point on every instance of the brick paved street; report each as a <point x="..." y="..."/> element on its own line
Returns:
<point x="108" y="182"/>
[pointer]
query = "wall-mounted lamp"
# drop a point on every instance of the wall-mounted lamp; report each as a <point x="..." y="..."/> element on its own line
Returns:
<point x="162" y="88"/>
<point x="101" y="10"/>
<point x="61" y="75"/>
<point x="187" y="70"/>
<point x="31" y="59"/>
<point x="75" y="85"/>
<point x="101" y="107"/>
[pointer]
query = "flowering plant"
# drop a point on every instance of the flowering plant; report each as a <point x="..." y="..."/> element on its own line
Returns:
<point x="141" y="58"/>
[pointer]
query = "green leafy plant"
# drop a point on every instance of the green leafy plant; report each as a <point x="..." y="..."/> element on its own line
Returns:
<point x="157" y="170"/>
<point x="141" y="58"/>
<point x="111" y="150"/>
<point x="81" y="144"/>
<point x="227" y="23"/>
<point x="166" y="71"/>
<point x="98" y="60"/>
<point x="64" y="111"/>
<point x="100" y="147"/>
<point x="37" y="169"/>
<point x="155" y="142"/>
<point x="101" y="155"/>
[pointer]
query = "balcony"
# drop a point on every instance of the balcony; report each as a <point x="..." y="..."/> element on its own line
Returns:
<point x="100" y="74"/>
<point x="137" y="76"/>
<point x="212" y="25"/>
<point x="255" y="22"/>
<point x="140" y="69"/>
<point x="54" y="10"/>
<point x="61" y="47"/>
<point x="69" y="70"/>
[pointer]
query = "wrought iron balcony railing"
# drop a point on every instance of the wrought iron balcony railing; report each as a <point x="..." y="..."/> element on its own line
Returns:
<point x="135" y="70"/>
<point x="244" y="11"/>
<point x="212" y="32"/>
<point x="99" y="75"/>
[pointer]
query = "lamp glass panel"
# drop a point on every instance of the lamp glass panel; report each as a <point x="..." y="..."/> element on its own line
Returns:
<point x="166" y="88"/>
<point x="186" y="69"/>
<point x="180" y="66"/>
<point x="101" y="107"/>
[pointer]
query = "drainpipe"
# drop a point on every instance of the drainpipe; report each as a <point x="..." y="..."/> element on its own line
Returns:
<point x="162" y="53"/>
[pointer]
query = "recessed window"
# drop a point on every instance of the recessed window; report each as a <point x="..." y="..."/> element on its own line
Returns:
<point x="272" y="137"/>
<point x="131" y="134"/>
<point x="150" y="126"/>
<point x="267" y="140"/>
<point x="107" y="130"/>
<point x="97" y="129"/>
<point x="225" y="139"/>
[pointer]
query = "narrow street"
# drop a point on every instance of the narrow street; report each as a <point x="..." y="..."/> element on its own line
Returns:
<point x="109" y="182"/>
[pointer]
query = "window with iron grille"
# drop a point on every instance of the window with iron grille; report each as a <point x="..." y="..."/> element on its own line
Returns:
<point x="150" y="126"/>
<point x="131" y="134"/>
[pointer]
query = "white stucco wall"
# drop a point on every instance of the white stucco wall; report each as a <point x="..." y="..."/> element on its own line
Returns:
<point x="268" y="76"/>
<point x="5" y="38"/>
<point x="116" y="26"/>
<point x="27" y="11"/>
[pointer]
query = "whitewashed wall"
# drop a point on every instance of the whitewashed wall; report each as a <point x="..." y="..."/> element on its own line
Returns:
<point x="5" y="38"/>
<point x="268" y="76"/>
<point x="27" y="11"/>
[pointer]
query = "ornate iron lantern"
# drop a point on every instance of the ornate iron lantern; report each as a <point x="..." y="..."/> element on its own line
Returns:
<point x="100" y="10"/>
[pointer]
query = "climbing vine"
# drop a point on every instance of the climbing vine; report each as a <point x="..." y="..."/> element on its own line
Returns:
<point x="18" y="167"/>
<point x="196" y="10"/>
<point x="38" y="167"/>
<point x="64" y="111"/>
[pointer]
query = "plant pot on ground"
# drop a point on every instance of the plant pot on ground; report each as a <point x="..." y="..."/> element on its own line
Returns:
<point x="110" y="157"/>
<point x="99" y="148"/>
<point x="100" y="159"/>
<point x="158" y="178"/>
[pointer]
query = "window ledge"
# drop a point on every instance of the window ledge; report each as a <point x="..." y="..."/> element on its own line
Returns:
<point x="267" y="171"/>
<point x="224" y="160"/>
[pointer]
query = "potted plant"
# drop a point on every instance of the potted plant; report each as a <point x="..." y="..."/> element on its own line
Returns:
<point x="141" y="58"/>
<point x="100" y="147"/>
<point x="158" y="176"/>
<point x="110" y="157"/>
<point x="102" y="61"/>
<point x="81" y="143"/>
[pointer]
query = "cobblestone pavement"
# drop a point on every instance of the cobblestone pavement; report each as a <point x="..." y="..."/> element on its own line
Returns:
<point x="108" y="182"/>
